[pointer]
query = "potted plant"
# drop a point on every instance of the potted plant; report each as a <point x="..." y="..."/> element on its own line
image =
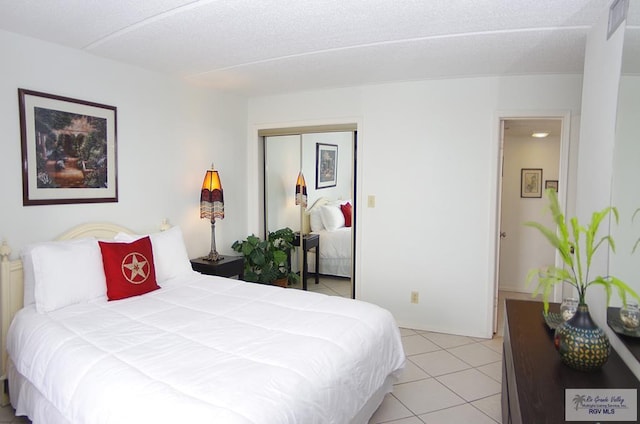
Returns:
<point x="267" y="261"/>
<point x="577" y="245"/>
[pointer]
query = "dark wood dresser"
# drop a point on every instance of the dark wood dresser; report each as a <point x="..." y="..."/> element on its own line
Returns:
<point x="534" y="379"/>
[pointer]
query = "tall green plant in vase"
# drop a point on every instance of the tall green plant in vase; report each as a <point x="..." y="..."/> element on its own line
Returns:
<point x="581" y="343"/>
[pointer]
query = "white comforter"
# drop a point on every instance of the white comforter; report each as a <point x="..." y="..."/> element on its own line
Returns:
<point x="335" y="244"/>
<point x="208" y="350"/>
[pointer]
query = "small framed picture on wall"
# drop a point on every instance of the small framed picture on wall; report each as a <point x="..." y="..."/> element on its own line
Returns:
<point x="326" y="165"/>
<point x="531" y="182"/>
<point x="551" y="184"/>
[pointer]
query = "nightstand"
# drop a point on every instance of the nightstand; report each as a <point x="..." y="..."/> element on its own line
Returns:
<point x="229" y="266"/>
<point x="309" y="241"/>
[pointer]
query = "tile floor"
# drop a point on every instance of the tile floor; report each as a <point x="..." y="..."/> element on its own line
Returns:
<point x="7" y="415"/>
<point x="333" y="286"/>
<point x="448" y="379"/>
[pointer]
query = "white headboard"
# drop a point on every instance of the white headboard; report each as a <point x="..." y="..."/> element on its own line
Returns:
<point x="12" y="287"/>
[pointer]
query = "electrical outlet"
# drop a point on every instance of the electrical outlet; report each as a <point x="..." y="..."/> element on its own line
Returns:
<point x="415" y="297"/>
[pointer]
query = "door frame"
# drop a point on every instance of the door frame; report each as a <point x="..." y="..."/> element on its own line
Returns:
<point x="564" y="181"/>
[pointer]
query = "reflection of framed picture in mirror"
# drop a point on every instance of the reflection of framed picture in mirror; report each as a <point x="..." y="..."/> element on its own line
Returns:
<point x="551" y="184"/>
<point x="326" y="165"/>
<point x="531" y="182"/>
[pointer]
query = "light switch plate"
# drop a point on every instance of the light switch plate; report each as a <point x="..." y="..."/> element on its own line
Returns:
<point x="371" y="201"/>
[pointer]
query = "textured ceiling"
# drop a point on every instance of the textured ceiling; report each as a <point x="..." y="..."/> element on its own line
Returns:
<point x="255" y="47"/>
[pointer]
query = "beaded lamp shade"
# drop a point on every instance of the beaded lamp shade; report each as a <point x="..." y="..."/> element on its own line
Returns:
<point x="211" y="197"/>
<point x="301" y="191"/>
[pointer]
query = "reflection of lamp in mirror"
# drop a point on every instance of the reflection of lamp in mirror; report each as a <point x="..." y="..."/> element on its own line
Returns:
<point x="301" y="190"/>
<point x="301" y="200"/>
<point x="212" y="207"/>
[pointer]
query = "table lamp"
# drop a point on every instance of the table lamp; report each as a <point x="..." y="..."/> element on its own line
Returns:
<point x="212" y="207"/>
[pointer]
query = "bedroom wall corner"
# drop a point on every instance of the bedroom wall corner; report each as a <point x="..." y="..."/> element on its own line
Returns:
<point x="168" y="133"/>
<point x="603" y="64"/>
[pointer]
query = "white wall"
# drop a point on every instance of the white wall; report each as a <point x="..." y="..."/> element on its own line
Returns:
<point x="597" y="135"/>
<point x="603" y="60"/>
<point x="168" y="135"/>
<point x="428" y="152"/>
<point x="626" y="174"/>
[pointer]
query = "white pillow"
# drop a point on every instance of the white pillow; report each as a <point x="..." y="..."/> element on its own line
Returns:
<point x="28" y="277"/>
<point x="64" y="273"/>
<point x="29" y="280"/>
<point x="315" y="220"/>
<point x="332" y="217"/>
<point x="169" y="252"/>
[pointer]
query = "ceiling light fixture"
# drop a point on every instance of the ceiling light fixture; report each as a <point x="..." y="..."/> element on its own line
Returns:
<point x="540" y="134"/>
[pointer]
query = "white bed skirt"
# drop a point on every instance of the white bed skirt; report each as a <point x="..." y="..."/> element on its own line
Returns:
<point x="29" y="402"/>
<point x="339" y="267"/>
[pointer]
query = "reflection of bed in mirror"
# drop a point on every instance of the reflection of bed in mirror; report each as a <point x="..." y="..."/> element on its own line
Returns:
<point x="331" y="220"/>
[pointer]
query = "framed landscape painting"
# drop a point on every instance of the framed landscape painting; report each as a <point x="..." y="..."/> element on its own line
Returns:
<point x="326" y="165"/>
<point x="68" y="150"/>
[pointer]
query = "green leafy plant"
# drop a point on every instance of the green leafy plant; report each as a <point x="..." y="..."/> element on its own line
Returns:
<point x="577" y="246"/>
<point x="266" y="261"/>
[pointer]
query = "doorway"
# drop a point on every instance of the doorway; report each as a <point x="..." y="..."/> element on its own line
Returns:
<point x="289" y="152"/>
<point x="534" y="158"/>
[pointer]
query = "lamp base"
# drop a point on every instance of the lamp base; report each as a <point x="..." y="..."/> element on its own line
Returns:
<point x="213" y="256"/>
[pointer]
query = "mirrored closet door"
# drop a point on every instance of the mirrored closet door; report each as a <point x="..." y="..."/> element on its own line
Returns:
<point x="326" y="160"/>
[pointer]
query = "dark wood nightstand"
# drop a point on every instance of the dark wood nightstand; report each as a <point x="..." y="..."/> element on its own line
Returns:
<point x="309" y="241"/>
<point x="229" y="266"/>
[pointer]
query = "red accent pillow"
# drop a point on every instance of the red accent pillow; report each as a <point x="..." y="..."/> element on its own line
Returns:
<point x="346" y="211"/>
<point x="128" y="268"/>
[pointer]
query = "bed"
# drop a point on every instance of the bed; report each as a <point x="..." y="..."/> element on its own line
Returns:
<point x="195" y="348"/>
<point x="331" y="220"/>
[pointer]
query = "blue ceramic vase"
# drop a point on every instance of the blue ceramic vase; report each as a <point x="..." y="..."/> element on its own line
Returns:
<point x="581" y="343"/>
